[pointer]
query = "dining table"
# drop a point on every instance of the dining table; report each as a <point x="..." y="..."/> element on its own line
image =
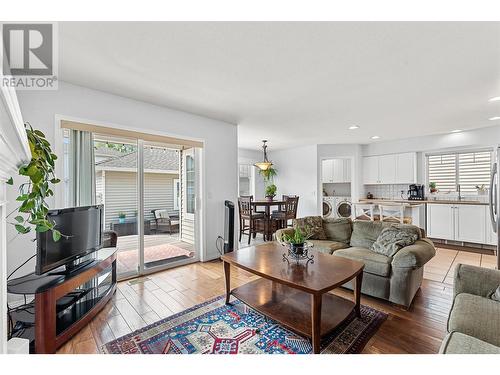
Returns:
<point x="267" y="204"/>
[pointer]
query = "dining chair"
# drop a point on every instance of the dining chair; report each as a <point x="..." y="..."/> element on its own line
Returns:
<point x="287" y="211"/>
<point x="247" y="214"/>
<point x="364" y="211"/>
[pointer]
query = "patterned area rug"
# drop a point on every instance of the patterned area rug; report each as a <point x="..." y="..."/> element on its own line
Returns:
<point x="215" y="328"/>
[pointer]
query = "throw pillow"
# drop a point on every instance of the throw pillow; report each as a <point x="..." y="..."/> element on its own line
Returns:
<point x="392" y="239"/>
<point x="339" y="230"/>
<point x="495" y="295"/>
<point x="312" y="225"/>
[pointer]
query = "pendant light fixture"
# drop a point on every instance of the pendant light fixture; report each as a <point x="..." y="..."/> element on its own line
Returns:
<point x="265" y="164"/>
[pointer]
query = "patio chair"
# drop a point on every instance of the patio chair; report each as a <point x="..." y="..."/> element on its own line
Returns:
<point x="164" y="222"/>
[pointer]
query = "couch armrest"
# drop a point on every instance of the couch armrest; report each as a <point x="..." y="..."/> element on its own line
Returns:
<point x="281" y="232"/>
<point x="475" y="280"/>
<point x="414" y="256"/>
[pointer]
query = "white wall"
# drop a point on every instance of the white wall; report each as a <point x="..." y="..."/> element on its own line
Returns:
<point x="298" y="175"/>
<point x="75" y="102"/>
<point x="246" y="156"/>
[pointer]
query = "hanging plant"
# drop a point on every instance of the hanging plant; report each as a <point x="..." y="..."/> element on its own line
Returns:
<point x="268" y="174"/>
<point x="33" y="207"/>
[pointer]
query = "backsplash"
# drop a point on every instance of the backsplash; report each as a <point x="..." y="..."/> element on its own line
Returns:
<point x="387" y="191"/>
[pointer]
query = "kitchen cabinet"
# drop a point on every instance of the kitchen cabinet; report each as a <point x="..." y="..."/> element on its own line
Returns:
<point x="457" y="222"/>
<point x="491" y="236"/>
<point x="370" y="170"/>
<point x="470" y="225"/>
<point x="387" y="169"/>
<point x="336" y="171"/>
<point x="406" y="168"/>
<point x="390" y="169"/>
<point x="440" y="221"/>
<point x="327" y="171"/>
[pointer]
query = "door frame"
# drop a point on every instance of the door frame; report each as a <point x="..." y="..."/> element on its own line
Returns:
<point x="200" y="206"/>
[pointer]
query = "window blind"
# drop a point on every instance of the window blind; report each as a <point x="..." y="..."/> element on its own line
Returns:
<point x="465" y="168"/>
<point x="474" y="169"/>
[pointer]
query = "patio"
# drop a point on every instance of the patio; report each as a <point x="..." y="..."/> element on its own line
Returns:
<point x="158" y="249"/>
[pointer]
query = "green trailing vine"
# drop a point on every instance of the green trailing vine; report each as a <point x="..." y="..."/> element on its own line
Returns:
<point x="40" y="171"/>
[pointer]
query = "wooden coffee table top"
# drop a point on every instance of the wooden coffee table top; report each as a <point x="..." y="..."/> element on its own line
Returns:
<point x="266" y="260"/>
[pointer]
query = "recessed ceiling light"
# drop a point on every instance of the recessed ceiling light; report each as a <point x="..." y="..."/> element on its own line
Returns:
<point x="375" y="137"/>
<point x="353" y="127"/>
<point x="494" y="118"/>
<point x="456" y="131"/>
<point x="494" y="99"/>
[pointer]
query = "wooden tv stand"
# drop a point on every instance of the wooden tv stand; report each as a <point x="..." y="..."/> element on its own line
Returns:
<point x="64" y="304"/>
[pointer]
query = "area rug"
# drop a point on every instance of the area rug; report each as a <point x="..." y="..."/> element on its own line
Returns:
<point x="216" y="328"/>
<point x="128" y="259"/>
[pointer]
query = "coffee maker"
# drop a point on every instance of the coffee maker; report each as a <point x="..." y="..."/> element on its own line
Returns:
<point x="416" y="192"/>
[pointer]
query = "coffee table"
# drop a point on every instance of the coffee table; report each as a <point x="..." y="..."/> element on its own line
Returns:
<point x="294" y="294"/>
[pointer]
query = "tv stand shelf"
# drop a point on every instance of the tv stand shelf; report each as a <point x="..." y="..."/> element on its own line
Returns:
<point x="65" y="303"/>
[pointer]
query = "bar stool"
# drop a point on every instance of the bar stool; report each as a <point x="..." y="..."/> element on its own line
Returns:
<point x="364" y="211"/>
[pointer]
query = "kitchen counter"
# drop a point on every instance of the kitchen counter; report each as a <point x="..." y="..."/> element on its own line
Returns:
<point x="416" y="203"/>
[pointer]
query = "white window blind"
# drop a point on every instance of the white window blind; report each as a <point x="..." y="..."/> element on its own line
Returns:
<point x="474" y="169"/>
<point x="467" y="169"/>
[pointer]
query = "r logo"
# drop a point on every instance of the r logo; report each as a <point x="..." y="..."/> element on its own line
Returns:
<point x="29" y="49"/>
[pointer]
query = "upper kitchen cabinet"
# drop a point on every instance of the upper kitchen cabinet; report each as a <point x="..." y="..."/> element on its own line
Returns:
<point x="390" y="169"/>
<point x="406" y="168"/>
<point x="336" y="170"/>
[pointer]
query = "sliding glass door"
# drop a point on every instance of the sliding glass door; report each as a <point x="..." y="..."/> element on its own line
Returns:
<point x="150" y="193"/>
<point x="117" y="187"/>
<point x="164" y="242"/>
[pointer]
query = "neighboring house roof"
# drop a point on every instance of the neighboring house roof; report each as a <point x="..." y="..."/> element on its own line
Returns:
<point x="154" y="159"/>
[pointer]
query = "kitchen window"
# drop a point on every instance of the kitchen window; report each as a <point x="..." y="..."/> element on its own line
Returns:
<point x="467" y="169"/>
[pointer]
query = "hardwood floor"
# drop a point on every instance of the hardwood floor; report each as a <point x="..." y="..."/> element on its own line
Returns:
<point x="142" y="301"/>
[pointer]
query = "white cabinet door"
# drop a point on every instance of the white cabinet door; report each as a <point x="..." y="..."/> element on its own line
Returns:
<point x="347" y="170"/>
<point x="440" y="221"/>
<point x="491" y="237"/>
<point x="387" y="169"/>
<point x="327" y="171"/>
<point x="470" y="223"/>
<point x="370" y="170"/>
<point x="405" y="168"/>
<point x="338" y="170"/>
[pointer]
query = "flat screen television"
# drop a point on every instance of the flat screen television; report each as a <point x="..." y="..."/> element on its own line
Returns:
<point x="81" y="229"/>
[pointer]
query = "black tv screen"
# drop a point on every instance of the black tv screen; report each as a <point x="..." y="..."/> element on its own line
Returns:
<point x="81" y="229"/>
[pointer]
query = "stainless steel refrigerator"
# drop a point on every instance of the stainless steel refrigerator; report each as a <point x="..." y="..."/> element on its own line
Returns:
<point x="495" y="201"/>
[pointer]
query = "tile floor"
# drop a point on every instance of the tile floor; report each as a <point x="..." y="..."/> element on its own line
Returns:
<point x="442" y="266"/>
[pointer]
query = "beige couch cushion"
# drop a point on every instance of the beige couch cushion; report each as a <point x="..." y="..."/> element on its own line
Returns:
<point x="458" y="343"/>
<point x="376" y="264"/>
<point x="326" y="246"/>
<point x="476" y="316"/>
<point x="365" y="233"/>
<point x="338" y="229"/>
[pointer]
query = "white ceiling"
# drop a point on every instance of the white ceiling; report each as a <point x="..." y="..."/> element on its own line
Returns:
<point x="298" y="83"/>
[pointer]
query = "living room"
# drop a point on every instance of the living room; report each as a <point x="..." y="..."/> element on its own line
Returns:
<point x="250" y="188"/>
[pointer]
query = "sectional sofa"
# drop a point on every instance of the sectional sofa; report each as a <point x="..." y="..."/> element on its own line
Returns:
<point x="395" y="278"/>
<point x="474" y="320"/>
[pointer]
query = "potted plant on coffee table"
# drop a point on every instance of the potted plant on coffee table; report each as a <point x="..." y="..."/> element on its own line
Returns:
<point x="296" y="241"/>
<point x="121" y="217"/>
